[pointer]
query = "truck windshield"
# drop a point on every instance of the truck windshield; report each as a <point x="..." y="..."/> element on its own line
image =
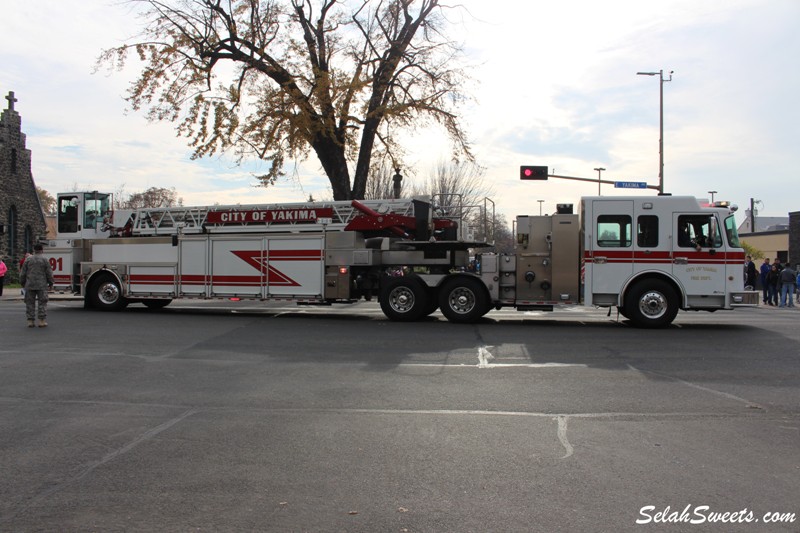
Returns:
<point x="730" y="231"/>
<point x="97" y="206"/>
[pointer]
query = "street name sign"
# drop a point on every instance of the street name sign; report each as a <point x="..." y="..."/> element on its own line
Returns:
<point x="630" y="185"/>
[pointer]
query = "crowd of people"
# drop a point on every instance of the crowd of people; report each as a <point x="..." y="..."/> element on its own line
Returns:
<point x="779" y="282"/>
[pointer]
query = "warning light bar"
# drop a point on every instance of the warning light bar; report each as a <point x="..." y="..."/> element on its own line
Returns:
<point x="726" y="204"/>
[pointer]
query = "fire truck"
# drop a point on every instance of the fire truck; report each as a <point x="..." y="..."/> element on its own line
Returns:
<point x="646" y="256"/>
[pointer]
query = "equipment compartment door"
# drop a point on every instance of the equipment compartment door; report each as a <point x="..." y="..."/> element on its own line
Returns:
<point x="151" y="280"/>
<point x="236" y="266"/>
<point x="194" y="280"/>
<point x="611" y="255"/>
<point x="295" y="266"/>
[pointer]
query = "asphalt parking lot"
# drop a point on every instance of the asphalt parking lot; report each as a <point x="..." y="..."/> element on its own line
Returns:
<point x="214" y="416"/>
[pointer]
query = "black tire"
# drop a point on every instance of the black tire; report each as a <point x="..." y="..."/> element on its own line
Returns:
<point x="433" y="303"/>
<point x="105" y="294"/>
<point x="156" y="303"/>
<point x="463" y="299"/>
<point x="403" y="299"/>
<point x="651" y="304"/>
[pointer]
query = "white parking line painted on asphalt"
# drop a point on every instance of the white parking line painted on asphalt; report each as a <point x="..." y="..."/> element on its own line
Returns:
<point x="485" y="355"/>
<point x="562" y="436"/>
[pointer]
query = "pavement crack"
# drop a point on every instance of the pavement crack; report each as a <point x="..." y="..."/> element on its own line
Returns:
<point x="91" y="467"/>
<point x="752" y="405"/>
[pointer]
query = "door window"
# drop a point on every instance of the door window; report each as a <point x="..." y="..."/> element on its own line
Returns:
<point x="67" y="214"/>
<point x="647" y="231"/>
<point x="698" y="230"/>
<point x="614" y="231"/>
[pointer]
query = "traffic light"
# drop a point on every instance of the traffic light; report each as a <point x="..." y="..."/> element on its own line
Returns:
<point x="532" y="173"/>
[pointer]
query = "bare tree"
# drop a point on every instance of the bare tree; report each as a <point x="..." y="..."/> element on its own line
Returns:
<point x="458" y="180"/>
<point x="381" y="183"/>
<point x="501" y="235"/>
<point x="276" y="79"/>
<point x="152" y="197"/>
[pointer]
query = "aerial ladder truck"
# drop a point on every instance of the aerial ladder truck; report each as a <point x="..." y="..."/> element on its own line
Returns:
<point x="415" y="256"/>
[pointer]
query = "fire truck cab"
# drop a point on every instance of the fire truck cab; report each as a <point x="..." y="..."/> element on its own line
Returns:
<point x="652" y="256"/>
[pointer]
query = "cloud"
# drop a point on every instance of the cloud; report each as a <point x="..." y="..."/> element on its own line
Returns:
<point x="555" y="84"/>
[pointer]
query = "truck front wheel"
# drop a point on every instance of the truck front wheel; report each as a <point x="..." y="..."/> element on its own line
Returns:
<point x="105" y="294"/>
<point x="463" y="299"/>
<point x="651" y="304"/>
<point x="404" y="299"/>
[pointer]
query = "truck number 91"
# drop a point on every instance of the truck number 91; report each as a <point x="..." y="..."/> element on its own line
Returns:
<point x="57" y="263"/>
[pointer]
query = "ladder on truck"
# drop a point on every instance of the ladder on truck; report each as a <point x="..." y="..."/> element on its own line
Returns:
<point x="285" y="217"/>
<point x="241" y="219"/>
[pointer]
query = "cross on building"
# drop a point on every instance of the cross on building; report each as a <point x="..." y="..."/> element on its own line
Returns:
<point x="11" y="100"/>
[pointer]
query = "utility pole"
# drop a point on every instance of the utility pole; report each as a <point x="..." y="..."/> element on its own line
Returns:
<point x="662" y="79"/>
<point x="599" y="170"/>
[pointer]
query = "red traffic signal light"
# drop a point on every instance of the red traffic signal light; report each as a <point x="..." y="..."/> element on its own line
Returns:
<point x="532" y="173"/>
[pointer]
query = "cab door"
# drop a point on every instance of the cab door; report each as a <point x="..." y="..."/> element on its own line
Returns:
<point x="611" y="254"/>
<point x="698" y="255"/>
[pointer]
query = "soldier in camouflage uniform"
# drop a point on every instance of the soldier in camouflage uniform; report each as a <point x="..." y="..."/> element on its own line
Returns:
<point x="36" y="276"/>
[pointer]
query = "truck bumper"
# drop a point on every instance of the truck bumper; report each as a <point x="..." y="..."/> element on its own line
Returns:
<point x="744" y="299"/>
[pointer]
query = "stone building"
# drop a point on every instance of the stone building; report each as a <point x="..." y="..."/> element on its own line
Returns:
<point x="21" y="219"/>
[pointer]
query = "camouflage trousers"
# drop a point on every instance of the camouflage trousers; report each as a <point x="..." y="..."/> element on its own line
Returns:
<point x="30" y="303"/>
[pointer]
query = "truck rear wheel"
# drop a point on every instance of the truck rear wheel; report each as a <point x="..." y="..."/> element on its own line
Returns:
<point x="105" y="294"/>
<point x="404" y="299"/>
<point x="463" y="299"/>
<point x="651" y="304"/>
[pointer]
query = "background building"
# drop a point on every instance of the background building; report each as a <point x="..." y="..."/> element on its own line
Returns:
<point x="21" y="218"/>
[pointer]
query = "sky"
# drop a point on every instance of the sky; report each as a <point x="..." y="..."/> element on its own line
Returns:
<point x="554" y="84"/>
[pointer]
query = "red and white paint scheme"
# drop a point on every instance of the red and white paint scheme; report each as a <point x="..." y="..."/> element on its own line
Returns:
<point x="647" y="256"/>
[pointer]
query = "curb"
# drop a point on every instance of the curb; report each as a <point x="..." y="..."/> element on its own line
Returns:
<point x="16" y="296"/>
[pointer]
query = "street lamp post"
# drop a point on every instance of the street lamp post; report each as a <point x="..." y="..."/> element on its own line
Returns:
<point x="599" y="170"/>
<point x="660" y="74"/>
<point x="712" y="193"/>
<point x="540" y="206"/>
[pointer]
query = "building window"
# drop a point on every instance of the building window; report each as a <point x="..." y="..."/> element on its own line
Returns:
<point x="28" y="243"/>
<point x="12" y="231"/>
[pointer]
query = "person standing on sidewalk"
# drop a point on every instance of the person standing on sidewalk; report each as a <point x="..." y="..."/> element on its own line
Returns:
<point x="772" y="284"/>
<point x="797" y="286"/>
<point x="750" y="274"/>
<point x="765" y="268"/>
<point x="22" y="262"/>
<point x="37" y="277"/>
<point x="3" y="270"/>
<point x="788" y="278"/>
